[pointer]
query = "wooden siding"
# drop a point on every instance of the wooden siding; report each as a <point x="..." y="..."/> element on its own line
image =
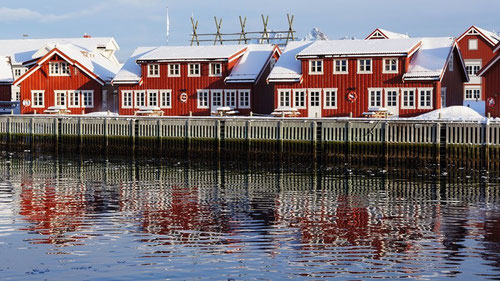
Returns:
<point x="360" y="84"/>
<point x="5" y="92"/>
<point x="492" y="86"/>
<point x="452" y="81"/>
<point x="40" y="80"/>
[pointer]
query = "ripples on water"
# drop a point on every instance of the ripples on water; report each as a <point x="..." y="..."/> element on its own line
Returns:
<point x="162" y="219"/>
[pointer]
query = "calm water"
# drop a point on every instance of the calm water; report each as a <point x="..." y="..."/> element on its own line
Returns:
<point x="91" y="219"/>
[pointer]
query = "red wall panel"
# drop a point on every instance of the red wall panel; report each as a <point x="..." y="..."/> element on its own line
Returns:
<point x="5" y="92"/>
<point x="453" y="81"/>
<point x="492" y="85"/>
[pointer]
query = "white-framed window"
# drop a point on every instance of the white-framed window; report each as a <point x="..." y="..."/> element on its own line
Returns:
<point x="390" y="65"/>
<point x="472" y="67"/>
<point x="443" y="97"/>
<point x="425" y="98"/>
<point x="17" y="95"/>
<point x="60" y="98"/>
<point x="316" y="67"/>
<point x="284" y="98"/>
<point x="450" y="62"/>
<point x="153" y="70"/>
<point x="19" y="71"/>
<point x="73" y="98"/>
<point x="166" y="99"/>
<point x="472" y="93"/>
<point x="127" y="97"/>
<point x="37" y="99"/>
<point x="230" y="98"/>
<point x="216" y="69"/>
<point x="299" y="98"/>
<point x="473" y="44"/>
<point x="374" y="97"/>
<point x="407" y="98"/>
<point x="364" y="65"/>
<point x="174" y="70"/>
<point x="59" y="69"/>
<point x="244" y="99"/>
<point x="330" y="98"/>
<point x="194" y="70"/>
<point x="203" y="96"/>
<point x="216" y="98"/>
<point x="88" y="99"/>
<point x="340" y="67"/>
<point x="391" y="97"/>
<point x="140" y="99"/>
<point x="152" y="97"/>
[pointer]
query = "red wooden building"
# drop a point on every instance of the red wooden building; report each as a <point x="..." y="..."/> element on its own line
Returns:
<point x="65" y="78"/>
<point x="336" y="78"/>
<point x="490" y="74"/>
<point x="197" y="80"/>
<point x="476" y="45"/>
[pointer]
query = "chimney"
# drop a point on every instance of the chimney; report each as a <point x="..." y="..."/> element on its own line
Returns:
<point x="86" y="35"/>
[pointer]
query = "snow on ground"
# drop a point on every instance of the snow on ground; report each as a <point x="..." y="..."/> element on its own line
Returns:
<point x="451" y="113"/>
<point x="102" y="113"/>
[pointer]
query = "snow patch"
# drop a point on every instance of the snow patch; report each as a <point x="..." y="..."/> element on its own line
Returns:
<point x="456" y="113"/>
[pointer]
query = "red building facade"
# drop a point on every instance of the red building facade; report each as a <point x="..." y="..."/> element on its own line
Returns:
<point x="490" y="74"/>
<point x="477" y="48"/>
<point x="340" y="78"/>
<point x="197" y="80"/>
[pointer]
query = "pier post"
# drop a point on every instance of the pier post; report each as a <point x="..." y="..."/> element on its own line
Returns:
<point x="80" y="133"/>
<point x="385" y="129"/>
<point x="348" y="139"/>
<point x="217" y="134"/>
<point x="159" y="134"/>
<point x="56" y="134"/>
<point x="132" y="133"/>
<point x="188" y="134"/>
<point x="486" y="143"/>
<point x="9" y="130"/>
<point x="32" y="131"/>
<point x="280" y="135"/>
<point x="248" y="128"/>
<point x="314" y="138"/>
<point x="105" y="132"/>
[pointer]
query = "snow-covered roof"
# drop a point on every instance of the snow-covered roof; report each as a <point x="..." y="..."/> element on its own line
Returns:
<point x="431" y="59"/>
<point x="5" y="70"/>
<point x="490" y="36"/>
<point x="131" y="70"/>
<point x="288" y="68"/>
<point x="22" y="50"/>
<point x="251" y="64"/>
<point x="399" y="47"/>
<point x="393" y="35"/>
<point x="192" y="53"/>
<point x="491" y="63"/>
<point x="494" y="37"/>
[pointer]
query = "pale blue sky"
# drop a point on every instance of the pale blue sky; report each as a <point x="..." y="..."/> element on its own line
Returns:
<point x="142" y="22"/>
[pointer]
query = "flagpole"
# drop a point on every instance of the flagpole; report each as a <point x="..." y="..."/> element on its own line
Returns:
<point x="168" y="26"/>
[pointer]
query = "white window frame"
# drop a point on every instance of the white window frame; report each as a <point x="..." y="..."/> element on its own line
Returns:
<point x="346" y="71"/>
<point x="136" y="100"/>
<point x="450" y="62"/>
<point x="371" y="92"/>
<point x="473" y="44"/>
<point x="280" y="93"/>
<point x="420" y="90"/>
<point x="213" y="94"/>
<point x="473" y="88"/>
<point x="227" y="95"/>
<point x="315" y="72"/>
<point x="148" y="98"/>
<point x="295" y="95"/>
<point x="151" y="68"/>
<point x="170" y="68"/>
<point x="190" y="65"/>
<point x="131" y="96"/>
<point x="71" y="98"/>
<point x="64" y="98"/>
<point x="473" y="63"/>
<point x="91" y="92"/>
<point x="335" y="99"/>
<point x="390" y="64"/>
<point x="311" y="90"/>
<point x="402" y="100"/>
<point x="364" y="66"/>
<point x="211" y="74"/>
<point x="203" y="95"/>
<point x="61" y="65"/>
<point x="241" y="103"/>
<point x="398" y="94"/>
<point x="168" y="101"/>
<point x="33" y="94"/>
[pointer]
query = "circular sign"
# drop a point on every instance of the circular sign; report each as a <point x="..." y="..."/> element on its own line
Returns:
<point x="183" y="97"/>
<point x="351" y="97"/>
<point x="491" y="102"/>
<point x="26" y="102"/>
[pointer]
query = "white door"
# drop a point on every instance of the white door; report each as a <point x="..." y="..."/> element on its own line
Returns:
<point x="392" y="101"/>
<point x="314" y="98"/>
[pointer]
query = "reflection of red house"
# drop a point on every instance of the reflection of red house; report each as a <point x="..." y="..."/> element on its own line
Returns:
<point x="197" y="79"/>
<point x="66" y="77"/>
<point x="408" y="76"/>
<point x="490" y="74"/>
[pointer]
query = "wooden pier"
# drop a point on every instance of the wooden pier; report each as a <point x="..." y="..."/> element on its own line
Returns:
<point x="327" y="136"/>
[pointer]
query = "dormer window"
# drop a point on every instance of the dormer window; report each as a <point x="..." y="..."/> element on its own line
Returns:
<point x="174" y="70"/>
<point x="215" y="69"/>
<point x="316" y="67"/>
<point x="59" y="69"/>
<point x="153" y="70"/>
<point x="194" y="70"/>
<point x="390" y="65"/>
<point x="365" y="66"/>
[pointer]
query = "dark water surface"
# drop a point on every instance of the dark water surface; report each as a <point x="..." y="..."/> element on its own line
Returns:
<point x="95" y="219"/>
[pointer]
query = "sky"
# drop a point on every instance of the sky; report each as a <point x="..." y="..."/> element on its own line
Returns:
<point x="136" y="23"/>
